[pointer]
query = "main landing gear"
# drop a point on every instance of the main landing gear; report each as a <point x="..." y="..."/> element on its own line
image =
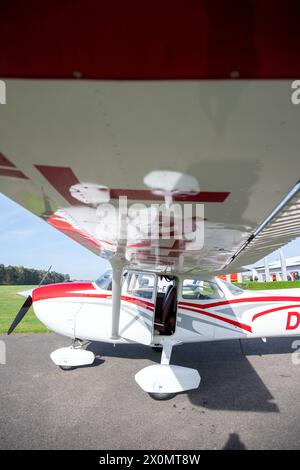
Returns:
<point x="163" y="381"/>
<point x="72" y="357"/>
<point x="157" y="348"/>
<point x="66" y="367"/>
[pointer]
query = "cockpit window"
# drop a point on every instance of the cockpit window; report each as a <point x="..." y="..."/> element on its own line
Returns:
<point x="140" y="285"/>
<point x="235" y="290"/>
<point x="105" y="280"/>
<point x="195" y="289"/>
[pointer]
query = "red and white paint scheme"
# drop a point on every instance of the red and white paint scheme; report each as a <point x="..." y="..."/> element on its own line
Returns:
<point x="184" y="102"/>
<point x="204" y="309"/>
<point x="161" y="311"/>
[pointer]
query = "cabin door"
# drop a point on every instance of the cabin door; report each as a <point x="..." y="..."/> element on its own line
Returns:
<point x="138" y="306"/>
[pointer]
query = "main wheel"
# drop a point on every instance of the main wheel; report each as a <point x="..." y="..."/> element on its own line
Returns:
<point x="66" y="367"/>
<point x="162" y="396"/>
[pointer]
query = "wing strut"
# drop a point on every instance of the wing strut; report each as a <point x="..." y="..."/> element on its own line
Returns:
<point x="117" y="265"/>
<point x="279" y="228"/>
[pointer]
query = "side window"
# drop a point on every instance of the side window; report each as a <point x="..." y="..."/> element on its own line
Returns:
<point x="141" y="285"/>
<point x="194" y="289"/>
<point x="131" y="281"/>
<point x="105" y="280"/>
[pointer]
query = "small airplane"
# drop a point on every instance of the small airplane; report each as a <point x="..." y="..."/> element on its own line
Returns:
<point x="163" y="288"/>
<point x="161" y="311"/>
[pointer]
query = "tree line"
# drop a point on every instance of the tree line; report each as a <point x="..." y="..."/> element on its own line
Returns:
<point x="18" y="275"/>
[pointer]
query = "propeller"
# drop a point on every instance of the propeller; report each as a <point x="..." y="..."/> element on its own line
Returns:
<point x="25" y="307"/>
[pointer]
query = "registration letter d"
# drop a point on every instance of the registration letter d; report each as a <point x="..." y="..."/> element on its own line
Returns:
<point x="293" y="320"/>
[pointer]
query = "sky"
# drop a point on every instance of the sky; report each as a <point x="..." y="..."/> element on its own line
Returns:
<point x="26" y="240"/>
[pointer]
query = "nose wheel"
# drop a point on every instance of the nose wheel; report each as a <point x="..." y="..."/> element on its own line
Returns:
<point x="162" y="396"/>
<point x="72" y="357"/>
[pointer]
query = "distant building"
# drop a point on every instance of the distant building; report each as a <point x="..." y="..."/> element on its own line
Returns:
<point x="292" y="266"/>
<point x="258" y="272"/>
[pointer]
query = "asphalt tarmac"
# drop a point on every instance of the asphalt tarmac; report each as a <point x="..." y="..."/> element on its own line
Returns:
<point x="248" y="398"/>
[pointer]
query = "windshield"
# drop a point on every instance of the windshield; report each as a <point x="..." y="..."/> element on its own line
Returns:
<point x="105" y="280"/>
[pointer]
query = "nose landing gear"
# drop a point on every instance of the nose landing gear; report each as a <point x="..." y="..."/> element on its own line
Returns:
<point x="72" y="357"/>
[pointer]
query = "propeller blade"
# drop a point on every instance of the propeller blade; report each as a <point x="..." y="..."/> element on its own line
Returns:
<point x="21" y="314"/>
<point x="26" y="306"/>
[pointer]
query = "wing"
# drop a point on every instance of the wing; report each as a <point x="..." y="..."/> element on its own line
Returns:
<point x="71" y="146"/>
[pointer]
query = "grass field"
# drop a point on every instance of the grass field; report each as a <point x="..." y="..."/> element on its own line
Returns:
<point x="269" y="285"/>
<point x="10" y="302"/>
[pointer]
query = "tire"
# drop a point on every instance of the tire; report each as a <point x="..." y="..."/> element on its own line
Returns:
<point x="162" y="396"/>
<point x="66" y="367"/>
<point x="157" y="348"/>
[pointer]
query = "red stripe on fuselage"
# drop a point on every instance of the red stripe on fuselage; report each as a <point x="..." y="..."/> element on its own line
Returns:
<point x="271" y="310"/>
<point x="226" y="320"/>
<point x="138" y="302"/>
<point x="195" y="308"/>
<point x="248" y="299"/>
<point x="53" y="291"/>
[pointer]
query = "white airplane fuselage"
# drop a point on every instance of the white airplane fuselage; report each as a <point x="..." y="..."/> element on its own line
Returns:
<point x="83" y="310"/>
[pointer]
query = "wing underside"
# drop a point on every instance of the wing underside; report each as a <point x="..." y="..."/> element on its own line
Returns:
<point x="71" y="149"/>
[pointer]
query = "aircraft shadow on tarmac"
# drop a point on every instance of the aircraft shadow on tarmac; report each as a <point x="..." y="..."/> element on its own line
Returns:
<point x="228" y="380"/>
<point x="234" y="443"/>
